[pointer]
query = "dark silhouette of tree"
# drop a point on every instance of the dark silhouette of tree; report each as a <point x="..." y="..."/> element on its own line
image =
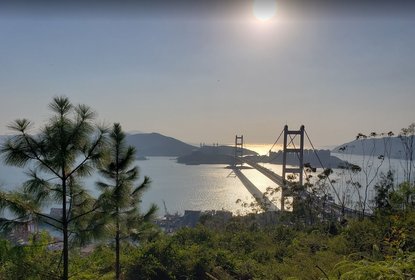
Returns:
<point x="68" y="148"/>
<point x="120" y="198"/>
<point x="407" y="137"/>
<point x="361" y="178"/>
<point x="384" y="188"/>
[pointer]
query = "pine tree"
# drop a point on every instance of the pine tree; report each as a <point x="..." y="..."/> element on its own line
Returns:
<point x="120" y="197"/>
<point x="68" y="148"/>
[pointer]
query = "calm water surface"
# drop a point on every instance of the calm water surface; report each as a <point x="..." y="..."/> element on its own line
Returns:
<point x="193" y="187"/>
<point x="182" y="187"/>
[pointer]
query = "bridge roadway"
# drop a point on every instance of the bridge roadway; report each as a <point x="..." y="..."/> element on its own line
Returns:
<point x="262" y="199"/>
<point x="268" y="173"/>
<point x="329" y="205"/>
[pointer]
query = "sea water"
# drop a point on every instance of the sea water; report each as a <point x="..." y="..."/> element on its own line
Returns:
<point x="199" y="187"/>
<point x="180" y="187"/>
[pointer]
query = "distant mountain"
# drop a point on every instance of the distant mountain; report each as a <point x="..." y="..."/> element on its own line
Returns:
<point x="316" y="159"/>
<point x="392" y="147"/>
<point x="155" y="144"/>
<point x="152" y="144"/>
<point x="224" y="150"/>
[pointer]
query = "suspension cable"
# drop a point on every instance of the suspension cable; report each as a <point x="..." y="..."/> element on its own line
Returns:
<point x="282" y="131"/>
<point x="319" y="160"/>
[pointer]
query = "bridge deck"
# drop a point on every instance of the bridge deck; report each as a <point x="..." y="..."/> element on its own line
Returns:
<point x="256" y="193"/>
<point x="268" y="173"/>
<point x="331" y="206"/>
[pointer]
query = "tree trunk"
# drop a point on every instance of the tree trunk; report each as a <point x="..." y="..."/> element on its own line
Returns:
<point x="65" y="251"/>
<point x="117" y="253"/>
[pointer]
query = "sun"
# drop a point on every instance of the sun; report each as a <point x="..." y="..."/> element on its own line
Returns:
<point x="264" y="10"/>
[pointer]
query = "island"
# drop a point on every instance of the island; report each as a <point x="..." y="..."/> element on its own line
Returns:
<point x="225" y="155"/>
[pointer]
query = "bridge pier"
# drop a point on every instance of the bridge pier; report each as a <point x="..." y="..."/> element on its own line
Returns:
<point x="288" y="148"/>
<point x="239" y="149"/>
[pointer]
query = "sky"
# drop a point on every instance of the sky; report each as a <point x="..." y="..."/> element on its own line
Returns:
<point x="205" y="71"/>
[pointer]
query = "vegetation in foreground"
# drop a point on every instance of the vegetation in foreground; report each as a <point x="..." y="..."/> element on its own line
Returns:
<point x="66" y="150"/>
<point x="382" y="247"/>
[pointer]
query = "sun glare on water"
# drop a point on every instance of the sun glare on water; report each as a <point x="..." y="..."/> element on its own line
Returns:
<point x="264" y="10"/>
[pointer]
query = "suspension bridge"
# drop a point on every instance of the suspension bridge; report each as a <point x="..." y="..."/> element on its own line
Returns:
<point x="290" y="139"/>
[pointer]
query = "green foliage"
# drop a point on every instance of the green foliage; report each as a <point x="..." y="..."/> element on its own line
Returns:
<point x="248" y="254"/>
<point x="403" y="197"/>
<point x="32" y="261"/>
<point x="384" y="193"/>
<point x="360" y="250"/>
<point x="120" y="199"/>
<point x="67" y="148"/>
<point x="362" y="235"/>
<point x="402" y="267"/>
<point x="99" y="264"/>
<point x="363" y="249"/>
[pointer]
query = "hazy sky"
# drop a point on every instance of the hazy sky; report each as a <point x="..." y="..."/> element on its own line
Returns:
<point x="205" y="71"/>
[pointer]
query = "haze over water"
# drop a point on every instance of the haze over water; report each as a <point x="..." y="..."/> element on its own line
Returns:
<point x="195" y="187"/>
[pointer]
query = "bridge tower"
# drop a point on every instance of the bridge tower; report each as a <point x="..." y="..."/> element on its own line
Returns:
<point x="298" y="152"/>
<point x="239" y="149"/>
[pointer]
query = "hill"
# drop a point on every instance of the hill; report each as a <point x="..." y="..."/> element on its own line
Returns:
<point x="155" y="144"/>
<point x="311" y="158"/>
<point x="152" y="144"/>
<point x="212" y="155"/>
<point x="392" y="147"/>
